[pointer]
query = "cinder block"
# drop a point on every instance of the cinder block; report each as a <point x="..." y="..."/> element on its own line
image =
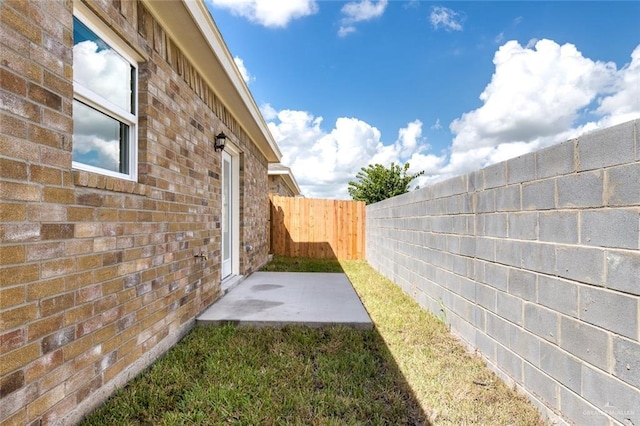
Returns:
<point x="475" y="181"/>
<point x="555" y="160"/>
<point x="468" y="246"/>
<point x="521" y="169"/>
<point x="485" y="201"/>
<point x="623" y="271"/>
<point x="509" y="252"/>
<point x="486" y="345"/>
<point x="522" y="284"/>
<point x="509" y="362"/>
<point x="558" y="294"/>
<point x="523" y="225"/>
<point x="562" y="366"/>
<point x="486" y="297"/>
<point x="622" y="185"/>
<point x="609" y="147"/>
<point x="478" y="320"/>
<point x="539" y="257"/>
<point x="585" y="342"/>
<point x="617" y="399"/>
<point x="460" y="266"/>
<point x="486" y="248"/>
<point x="626" y="354"/>
<point x="636" y="125"/>
<point x="526" y="345"/>
<point x="509" y="307"/>
<point x="465" y="203"/>
<point x="581" y="264"/>
<point x="539" y="195"/>
<point x="580" y="411"/>
<point x="581" y="190"/>
<point x="496" y="276"/>
<point x="495" y="225"/>
<point x="610" y="310"/>
<point x="495" y="175"/>
<point x="458" y="184"/>
<point x="463" y="329"/>
<point x="541" y="321"/>
<point x="507" y="198"/>
<point x="616" y="228"/>
<point x="441" y="189"/>
<point x="541" y="385"/>
<point x="558" y="226"/>
<point x="499" y="329"/>
<point x="462" y="224"/>
<point x="442" y="224"/>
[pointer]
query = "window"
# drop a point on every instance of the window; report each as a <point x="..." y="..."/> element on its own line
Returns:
<point x="104" y="103"/>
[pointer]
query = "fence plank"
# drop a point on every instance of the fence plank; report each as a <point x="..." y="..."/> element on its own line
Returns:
<point x="317" y="228"/>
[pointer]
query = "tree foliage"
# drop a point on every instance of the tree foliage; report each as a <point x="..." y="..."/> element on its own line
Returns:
<point x="376" y="182"/>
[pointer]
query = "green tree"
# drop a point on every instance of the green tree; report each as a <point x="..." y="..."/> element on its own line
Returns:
<point x="376" y="182"/>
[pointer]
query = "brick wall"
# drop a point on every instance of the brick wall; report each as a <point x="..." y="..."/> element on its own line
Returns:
<point x="534" y="262"/>
<point x="277" y="186"/>
<point x="97" y="274"/>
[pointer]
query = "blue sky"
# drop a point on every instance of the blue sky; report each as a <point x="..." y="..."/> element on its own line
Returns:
<point x="448" y="86"/>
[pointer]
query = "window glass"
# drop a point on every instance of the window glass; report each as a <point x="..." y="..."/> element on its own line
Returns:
<point x="99" y="68"/>
<point x="104" y="104"/>
<point x="99" y="140"/>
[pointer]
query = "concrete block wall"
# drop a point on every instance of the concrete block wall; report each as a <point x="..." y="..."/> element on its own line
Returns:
<point x="97" y="274"/>
<point x="536" y="264"/>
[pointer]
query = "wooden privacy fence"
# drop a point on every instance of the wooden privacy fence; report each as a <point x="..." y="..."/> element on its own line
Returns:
<point x="316" y="228"/>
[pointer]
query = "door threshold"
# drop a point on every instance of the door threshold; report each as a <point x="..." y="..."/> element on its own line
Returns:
<point x="230" y="282"/>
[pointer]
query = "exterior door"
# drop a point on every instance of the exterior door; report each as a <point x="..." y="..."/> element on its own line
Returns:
<point x="227" y="215"/>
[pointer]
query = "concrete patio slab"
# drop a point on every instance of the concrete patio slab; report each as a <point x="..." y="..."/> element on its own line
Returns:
<point x="276" y="299"/>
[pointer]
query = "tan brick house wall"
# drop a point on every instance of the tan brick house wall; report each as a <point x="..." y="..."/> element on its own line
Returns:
<point x="97" y="274"/>
<point x="278" y="187"/>
<point x="282" y="181"/>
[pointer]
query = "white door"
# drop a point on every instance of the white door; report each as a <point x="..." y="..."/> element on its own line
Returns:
<point x="227" y="216"/>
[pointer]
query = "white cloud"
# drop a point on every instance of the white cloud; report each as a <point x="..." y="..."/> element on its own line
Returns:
<point x="443" y="17"/>
<point x="344" y="31"/>
<point x="324" y="162"/>
<point x="363" y="10"/>
<point x="268" y="112"/>
<point x="624" y="103"/>
<point x="538" y="96"/>
<point x="534" y="98"/>
<point x="97" y="152"/>
<point x="95" y="138"/>
<point x="103" y="71"/>
<point x="268" y="13"/>
<point x="248" y="78"/>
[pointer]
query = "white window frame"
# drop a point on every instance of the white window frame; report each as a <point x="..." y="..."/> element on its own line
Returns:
<point x="99" y="103"/>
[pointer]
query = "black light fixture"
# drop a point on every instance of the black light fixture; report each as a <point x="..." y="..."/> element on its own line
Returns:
<point x="220" y="140"/>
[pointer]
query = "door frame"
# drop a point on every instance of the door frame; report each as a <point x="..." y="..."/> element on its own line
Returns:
<point x="234" y="156"/>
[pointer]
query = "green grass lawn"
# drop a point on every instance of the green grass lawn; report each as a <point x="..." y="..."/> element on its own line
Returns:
<point x="407" y="370"/>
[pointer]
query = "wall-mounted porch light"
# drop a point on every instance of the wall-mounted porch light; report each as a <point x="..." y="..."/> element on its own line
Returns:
<point x="220" y="141"/>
